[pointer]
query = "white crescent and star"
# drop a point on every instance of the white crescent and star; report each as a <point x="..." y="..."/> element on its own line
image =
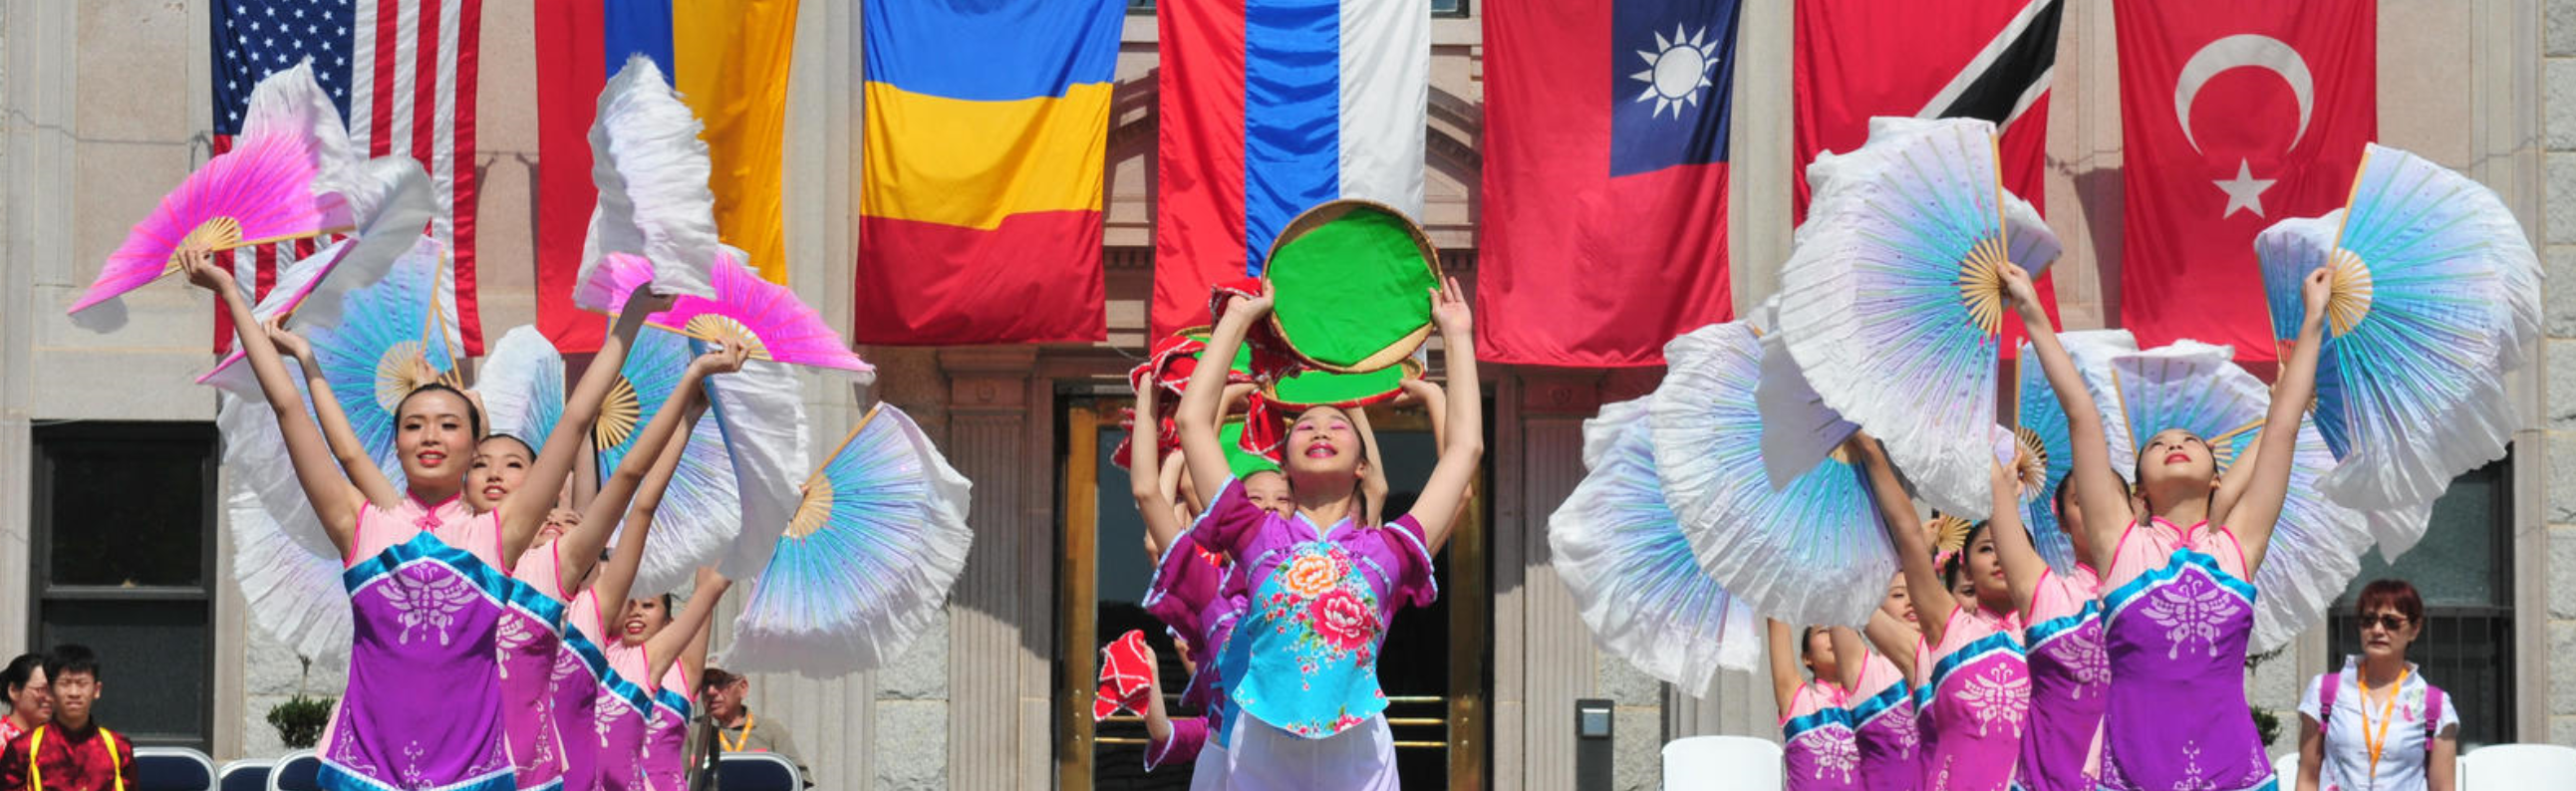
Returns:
<point x="2254" y="51"/>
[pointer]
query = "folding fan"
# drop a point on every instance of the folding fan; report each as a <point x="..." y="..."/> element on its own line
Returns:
<point x="390" y="340"/>
<point x="868" y="560"/>
<point x="1815" y="551"/>
<point x="2316" y="546"/>
<point x="763" y="315"/>
<point x="260" y="192"/>
<point x="1892" y="298"/>
<point x="651" y="170"/>
<point x="761" y="410"/>
<point x="390" y="201"/>
<point x="288" y="571"/>
<point x="2436" y="293"/>
<point x="701" y="511"/>
<point x="522" y="385"/>
<point x="1634" y="579"/>
<point x="2039" y="427"/>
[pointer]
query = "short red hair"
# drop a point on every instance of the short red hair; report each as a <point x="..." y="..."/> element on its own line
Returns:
<point x="2393" y="594"/>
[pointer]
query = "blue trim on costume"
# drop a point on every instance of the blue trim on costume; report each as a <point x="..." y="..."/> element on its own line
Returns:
<point x="673" y="701"/>
<point x="334" y="777"/>
<point x="556" y="784"/>
<point x="426" y="547"/>
<point x="1790" y="731"/>
<point x="1989" y="645"/>
<point x="2044" y="631"/>
<point x="1869" y="710"/>
<point x="596" y="661"/>
<point x="2118" y="600"/>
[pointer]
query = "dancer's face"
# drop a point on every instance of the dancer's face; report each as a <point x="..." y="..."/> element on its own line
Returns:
<point x="500" y="464"/>
<point x="1986" y="569"/>
<point x="1820" y="655"/>
<point x="35" y="701"/>
<point x="643" y="619"/>
<point x="1325" y="444"/>
<point x="1268" y="491"/>
<point x="2175" y="464"/>
<point x="433" y="434"/>
<point x="1898" y="605"/>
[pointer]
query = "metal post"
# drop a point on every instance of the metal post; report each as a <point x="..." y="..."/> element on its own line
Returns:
<point x="1593" y="759"/>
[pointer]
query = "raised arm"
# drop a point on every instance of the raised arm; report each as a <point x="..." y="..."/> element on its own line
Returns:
<point x="1849" y="655"/>
<point x="1894" y="640"/>
<point x="618" y="577"/>
<point x="687" y="633"/>
<point x="1203" y="402"/>
<point x="2260" y="510"/>
<point x="345" y="445"/>
<point x="2022" y="564"/>
<point x="1932" y="600"/>
<point x="641" y="476"/>
<point x="520" y="516"/>
<point x="2232" y="488"/>
<point x="2098" y="489"/>
<point x="1437" y="509"/>
<point x="1145" y="474"/>
<point x="1373" y="478"/>
<point x="1786" y="677"/>
<point x="335" y="500"/>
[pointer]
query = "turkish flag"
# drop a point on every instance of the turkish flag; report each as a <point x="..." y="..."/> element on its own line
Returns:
<point x="2236" y="115"/>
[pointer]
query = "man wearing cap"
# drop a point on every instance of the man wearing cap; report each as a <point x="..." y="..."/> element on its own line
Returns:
<point x="728" y="726"/>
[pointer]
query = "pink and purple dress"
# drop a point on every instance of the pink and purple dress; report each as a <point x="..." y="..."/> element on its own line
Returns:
<point x="1883" y="725"/>
<point x="424" y="707"/>
<point x="1816" y="740"/>
<point x="1976" y="695"/>
<point x="2178" y="614"/>
<point x="608" y="755"/>
<point x="2070" y="683"/>
<point x="530" y="649"/>
<point x="1198" y="597"/>
<point x="663" y="746"/>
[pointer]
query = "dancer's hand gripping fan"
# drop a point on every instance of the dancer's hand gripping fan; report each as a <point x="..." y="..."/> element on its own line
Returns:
<point x="867" y="561"/>
<point x="701" y="511"/>
<point x="651" y="170"/>
<point x="1638" y="586"/>
<point x="1892" y="299"/>
<point x="2436" y="294"/>
<point x="765" y="316"/>
<point x="2044" y="454"/>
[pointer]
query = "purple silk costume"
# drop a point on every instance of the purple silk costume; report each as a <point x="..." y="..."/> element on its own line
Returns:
<point x="423" y="708"/>
<point x="1197" y="595"/>
<point x="611" y="756"/>
<point x="1977" y="693"/>
<point x="1816" y="741"/>
<point x="2179" y="614"/>
<point x="662" y="755"/>
<point x="1883" y="724"/>
<point x="2070" y="682"/>
<point x="530" y="649"/>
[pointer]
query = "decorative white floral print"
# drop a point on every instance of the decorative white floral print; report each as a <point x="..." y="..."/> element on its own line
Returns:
<point x="2087" y="659"/>
<point x="2191" y="779"/>
<point x="1836" y="752"/>
<point x="427" y="597"/>
<point x="1998" y="695"/>
<point x="2192" y="609"/>
<point x="514" y="635"/>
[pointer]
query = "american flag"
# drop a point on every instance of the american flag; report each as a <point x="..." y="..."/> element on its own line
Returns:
<point x="403" y="75"/>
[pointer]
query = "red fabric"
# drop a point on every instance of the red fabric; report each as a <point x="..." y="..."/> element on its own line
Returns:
<point x="1036" y="278"/>
<point x="1198" y="158"/>
<point x="1856" y="59"/>
<point x="1126" y="677"/>
<point x="570" y="71"/>
<point x="2187" y="267"/>
<point x="1578" y="267"/>
<point x="70" y="761"/>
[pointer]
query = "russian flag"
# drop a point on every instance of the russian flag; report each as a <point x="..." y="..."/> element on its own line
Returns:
<point x="1268" y="108"/>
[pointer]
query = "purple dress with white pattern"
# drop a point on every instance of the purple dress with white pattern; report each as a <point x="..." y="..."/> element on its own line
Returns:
<point x="1976" y="692"/>
<point x="530" y="648"/>
<point x="610" y="751"/>
<point x="1816" y="740"/>
<point x="2179" y="613"/>
<point x="2070" y="682"/>
<point x="1883" y="724"/>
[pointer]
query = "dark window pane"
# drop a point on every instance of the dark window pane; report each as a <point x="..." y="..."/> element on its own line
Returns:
<point x="2457" y="563"/>
<point x="127" y="511"/>
<point x="154" y="664"/>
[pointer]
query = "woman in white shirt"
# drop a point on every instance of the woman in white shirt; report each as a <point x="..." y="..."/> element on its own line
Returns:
<point x="2377" y="725"/>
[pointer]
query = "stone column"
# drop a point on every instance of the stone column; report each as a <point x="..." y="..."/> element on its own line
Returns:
<point x="1541" y="640"/>
<point x="998" y="645"/>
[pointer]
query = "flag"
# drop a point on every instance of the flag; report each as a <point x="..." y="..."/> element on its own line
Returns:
<point x="2234" y="116"/>
<point x="728" y="59"/>
<point x="1268" y="108"/>
<point x="1988" y="59"/>
<point x="1606" y="129"/>
<point x="986" y="132"/>
<point x="403" y="74"/>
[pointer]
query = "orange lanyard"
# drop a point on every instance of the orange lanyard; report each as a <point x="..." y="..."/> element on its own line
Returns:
<point x="2387" y="712"/>
<point x="736" y="745"/>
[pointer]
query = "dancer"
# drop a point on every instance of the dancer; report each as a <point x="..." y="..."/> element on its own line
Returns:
<point x="1971" y="679"/>
<point x="2178" y="600"/>
<point x="1815" y="728"/>
<point x="621" y="708"/>
<point x="1302" y="671"/>
<point x="2070" y="676"/>
<point x="655" y="645"/>
<point x="2377" y="723"/>
<point x="30" y="700"/>
<point x="1194" y="592"/>
<point x="1884" y="723"/>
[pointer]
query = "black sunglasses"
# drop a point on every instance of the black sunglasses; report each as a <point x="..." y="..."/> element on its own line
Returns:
<point x="2388" y="621"/>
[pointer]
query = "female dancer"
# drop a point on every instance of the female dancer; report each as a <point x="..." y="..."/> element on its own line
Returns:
<point x="2378" y="723"/>
<point x="2070" y="677"/>
<point x="1883" y="720"/>
<point x="1971" y="679"/>
<point x="1815" y="728"/>
<point x="622" y="709"/>
<point x="656" y="645"/>
<point x="2179" y="601"/>
<point x="1303" y="665"/>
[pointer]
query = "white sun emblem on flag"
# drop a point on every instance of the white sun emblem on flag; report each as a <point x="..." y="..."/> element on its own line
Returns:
<point x="1677" y="69"/>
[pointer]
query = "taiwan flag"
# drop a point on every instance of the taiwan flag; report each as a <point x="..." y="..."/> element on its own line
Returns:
<point x="1606" y="128"/>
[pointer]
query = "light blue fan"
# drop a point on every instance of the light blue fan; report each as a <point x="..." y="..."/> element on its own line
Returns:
<point x="390" y="340"/>
<point x="1812" y="552"/>
<point x="1892" y="299"/>
<point x="2046" y="453"/>
<point x="2436" y="293"/>
<point x="1633" y="576"/>
<point x="701" y="512"/>
<point x="2316" y="546"/>
<point x="522" y="385"/>
<point x="867" y="562"/>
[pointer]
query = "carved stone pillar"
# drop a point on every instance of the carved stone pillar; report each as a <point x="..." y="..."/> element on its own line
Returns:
<point x="1544" y="656"/>
<point x="999" y="630"/>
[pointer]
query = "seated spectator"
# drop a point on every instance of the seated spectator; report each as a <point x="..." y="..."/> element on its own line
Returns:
<point x="30" y="702"/>
<point x="70" y="752"/>
<point x="728" y="726"/>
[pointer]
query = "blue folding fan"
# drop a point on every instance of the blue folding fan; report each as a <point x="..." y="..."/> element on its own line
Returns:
<point x="391" y="339"/>
<point x="2039" y="427"/>
<point x="522" y="385"/>
<point x="701" y="511"/>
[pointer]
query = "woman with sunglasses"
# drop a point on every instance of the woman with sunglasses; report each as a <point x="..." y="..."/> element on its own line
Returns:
<point x="2377" y="723"/>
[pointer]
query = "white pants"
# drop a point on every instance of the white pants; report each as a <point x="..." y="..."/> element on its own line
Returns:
<point x="1208" y="773"/>
<point x="1266" y="758"/>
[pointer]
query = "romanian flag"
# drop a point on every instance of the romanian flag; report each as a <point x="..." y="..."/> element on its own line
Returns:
<point x="987" y="129"/>
<point x="728" y="59"/>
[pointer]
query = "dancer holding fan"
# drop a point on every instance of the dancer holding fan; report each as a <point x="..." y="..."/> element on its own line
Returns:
<point x="1815" y="728"/>
<point x="654" y="644"/>
<point x="1884" y="722"/>
<point x="1303" y="672"/>
<point x="2179" y="600"/>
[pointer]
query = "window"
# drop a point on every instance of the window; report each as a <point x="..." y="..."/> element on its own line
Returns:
<point x="124" y="526"/>
<point x="2464" y="570"/>
<point x="1456" y="9"/>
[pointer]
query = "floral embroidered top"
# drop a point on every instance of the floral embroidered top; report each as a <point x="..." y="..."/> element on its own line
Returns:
<point x="1304" y="655"/>
<point x="1816" y="740"/>
<point x="2070" y="683"/>
<point x="1975" y="690"/>
<point x="1883" y="724"/>
<point x="2178" y="613"/>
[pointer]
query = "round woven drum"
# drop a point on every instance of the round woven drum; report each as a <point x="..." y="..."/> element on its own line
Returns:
<point x="1351" y="285"/>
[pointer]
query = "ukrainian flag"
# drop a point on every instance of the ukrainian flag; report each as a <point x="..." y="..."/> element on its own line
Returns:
<point x="986" y="134"/>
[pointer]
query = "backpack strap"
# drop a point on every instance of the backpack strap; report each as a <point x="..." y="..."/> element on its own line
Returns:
<point x="2433" y="703"/>
<point x="2326" y="697"/>
<point x="35" y="771"/>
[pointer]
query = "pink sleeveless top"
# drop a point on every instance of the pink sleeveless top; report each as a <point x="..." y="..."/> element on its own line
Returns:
<point x="663" y="758"/>
<point x="2178" y="614"/>
<point x="620" y="708"/>
<point x="530" y="649"/>
<point x="2070" y="681"/>
<point x="424" y="708"/>
<point x="1975" y="690"/>
<point x="1816" y="740"/>
<point x="1882" y="713"/>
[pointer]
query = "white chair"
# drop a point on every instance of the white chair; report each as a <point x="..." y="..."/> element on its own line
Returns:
<point x="172" y="769"/>
<point x="1722" y="763"/>
<point x="2287" y="769"/>
<point x="2521" y="767"/>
